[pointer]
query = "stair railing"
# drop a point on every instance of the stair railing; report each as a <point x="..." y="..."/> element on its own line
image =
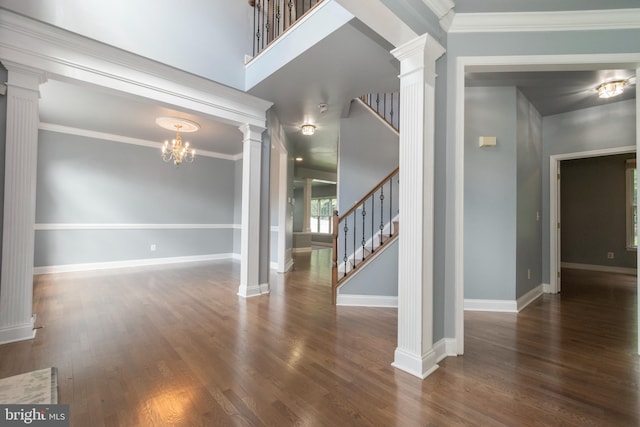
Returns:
<point x="365" y="228"/>
<point x="386" y="105"/>
<point x="271" y="18"/>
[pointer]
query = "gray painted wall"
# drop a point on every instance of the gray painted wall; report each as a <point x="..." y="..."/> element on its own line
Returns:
<point x="593" y="207"/>
<point x="215" y="21"/>
<point x="529" y="197"/>
<point x="92" y="181"/>
<point x="490" y="194"/>
<point x="367" y="152"/>
<point x="380" y="277"/>
<point x="608" y="126"/>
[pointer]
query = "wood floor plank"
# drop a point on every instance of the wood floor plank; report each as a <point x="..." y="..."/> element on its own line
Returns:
<point x="175" y="345"/>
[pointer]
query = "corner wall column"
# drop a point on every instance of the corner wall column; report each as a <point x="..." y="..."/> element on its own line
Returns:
<point x="415" y="353"/>
<point x="307" y="205"/>
<point x="251" y="207"/>
<point x="16" y="283"/>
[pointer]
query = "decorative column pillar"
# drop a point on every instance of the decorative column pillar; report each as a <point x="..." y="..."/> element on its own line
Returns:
<point x="414" y="353"/>
<point x="16" y="283"/>
<point x="307" y="205"/>
<point x="250" y="234"/>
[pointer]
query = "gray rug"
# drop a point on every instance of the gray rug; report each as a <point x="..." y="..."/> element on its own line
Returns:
<point x="37" y="387"/>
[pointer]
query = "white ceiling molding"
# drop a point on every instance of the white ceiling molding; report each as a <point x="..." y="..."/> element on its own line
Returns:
<point x="613" y="19"/>
<point x="439" y="7"/>
<point x="51" y="127"/>
<point x="68" y="56"/>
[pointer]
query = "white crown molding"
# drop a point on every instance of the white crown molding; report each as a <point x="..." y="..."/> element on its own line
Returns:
<point x="613" y="19"/>
<point x="439" y="7"/>
<point x="51" y="127"/>
<point x="85" y="226"/>
<point x="68" y="56"/>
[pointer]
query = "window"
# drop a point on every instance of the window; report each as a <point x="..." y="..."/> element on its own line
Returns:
<point x="322" y="213"/>
<point x="632" y="204"/>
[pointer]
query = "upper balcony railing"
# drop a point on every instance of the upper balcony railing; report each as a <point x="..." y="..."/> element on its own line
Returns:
<point x="271" y="18"/>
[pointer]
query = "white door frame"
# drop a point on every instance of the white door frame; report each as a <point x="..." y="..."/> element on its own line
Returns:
<point x="513" y="63"/>
<point x="555" y="208"/>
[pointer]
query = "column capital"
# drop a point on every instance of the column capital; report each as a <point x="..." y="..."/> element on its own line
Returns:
<point x="24" y="77"/>
<point x="419" y="53"/>
<point x="252" y="132"/>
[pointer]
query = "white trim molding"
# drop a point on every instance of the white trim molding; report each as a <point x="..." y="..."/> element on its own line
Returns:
<point x="68" y="226"/>
<point x="529" y="297"/>
<point x="574" y="20"/>
<point x="90" y="266"/>
<point x="367" y="301"/>
<point x="77" y="58"/>
<point x="602" y="268"/>
<point x="51" y="127"/>
<point x="445" y="347"/>
<point x="497" y="305"/>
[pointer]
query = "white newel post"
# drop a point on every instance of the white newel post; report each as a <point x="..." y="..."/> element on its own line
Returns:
<point x="250" y="234"/>
<point x="414" y="353"/>
<point x="16" y="284"/>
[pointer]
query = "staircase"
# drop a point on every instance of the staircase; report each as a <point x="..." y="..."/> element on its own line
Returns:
<point x="371" y="224"/>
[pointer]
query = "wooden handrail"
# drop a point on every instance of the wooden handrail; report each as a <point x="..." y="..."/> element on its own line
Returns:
<point x="359" y="202"/>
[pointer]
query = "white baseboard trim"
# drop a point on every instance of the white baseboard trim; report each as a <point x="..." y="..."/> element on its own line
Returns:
<point x="529" y="297"/>
<point x="67" y="268"/>
<point x="288" y="265"/>
<point x="301" y="250"/>
<point x="603" y="268"/>
<point x="444" y="348"/>
<point x="367" y="301"/>
<point x="546" y="288"/>
<point x="18" y="333"/>
<point x="497" y="305"/>
<point x="254" y="290"/>
<point x="323" y="244"/>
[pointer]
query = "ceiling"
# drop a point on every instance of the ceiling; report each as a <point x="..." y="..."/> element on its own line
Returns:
<point x="350" y="62"/>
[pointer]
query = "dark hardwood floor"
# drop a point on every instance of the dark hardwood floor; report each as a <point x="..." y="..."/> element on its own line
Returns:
<point x="176" y="346"/>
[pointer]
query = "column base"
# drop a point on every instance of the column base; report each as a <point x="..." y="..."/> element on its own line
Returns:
<point x="18" y="333"/>
<point x="253" y="290"/>
<point x="415" y="365"/>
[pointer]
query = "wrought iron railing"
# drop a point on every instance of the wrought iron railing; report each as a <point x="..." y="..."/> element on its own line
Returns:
<point x="387" y="105"/>
<point x="271" y="18"/>
<point x="363" y="229"/>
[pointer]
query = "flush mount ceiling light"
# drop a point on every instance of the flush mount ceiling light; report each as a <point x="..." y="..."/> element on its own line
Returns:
<point x="177" y="150"/>
<point x="611" y="89"/>
<point x="308" y="129"/>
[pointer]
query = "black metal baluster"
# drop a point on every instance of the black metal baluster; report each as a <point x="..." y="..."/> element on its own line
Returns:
<point x="390" y="206"/>
<point x="364" y="214"/>
<point x="346" y="258"/>
<point x="378" y="103"/>
<point x="276" y="31"/>
<point x="354" y="238"/>
<point x="290" y="7"/>
<point x="391" y="113"/>
<point x="381" y="213"/>
<point x="372" y="225"/>
<point x="384" y="106"/>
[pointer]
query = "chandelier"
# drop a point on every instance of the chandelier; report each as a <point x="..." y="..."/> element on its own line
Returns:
<point x="611" y="89"/>
<point x="177" y="150"/>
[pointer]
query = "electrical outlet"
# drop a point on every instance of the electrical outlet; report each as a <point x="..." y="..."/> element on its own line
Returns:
<point x="529" y="273"/>
<point x="153" y="247"/>
<point x="610" y="255"/>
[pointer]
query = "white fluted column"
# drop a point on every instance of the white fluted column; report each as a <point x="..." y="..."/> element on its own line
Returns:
<point x="16" y="284"/>
<point x="250" y="234"/>
<point x="414" y="353"/>
<point x="307" y="205"/>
